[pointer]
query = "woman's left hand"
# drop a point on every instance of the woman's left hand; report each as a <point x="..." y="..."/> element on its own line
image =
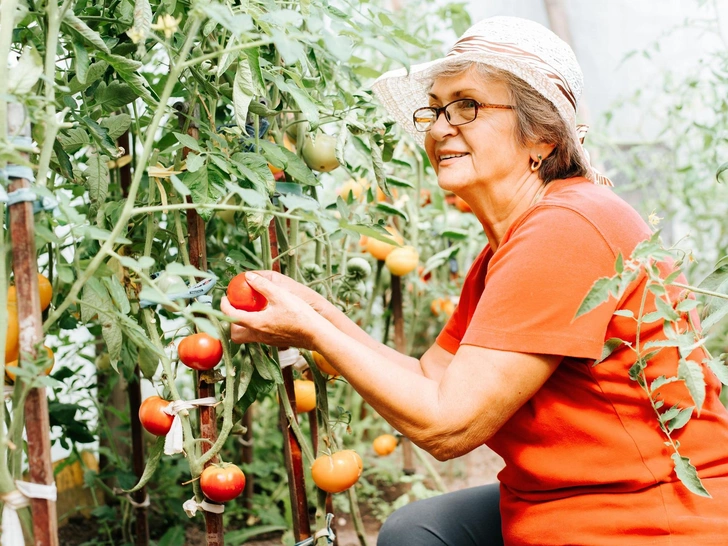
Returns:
<point x="287" y="321"/>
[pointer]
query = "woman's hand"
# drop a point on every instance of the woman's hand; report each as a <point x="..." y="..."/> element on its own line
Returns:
<point x="291" y="318"/>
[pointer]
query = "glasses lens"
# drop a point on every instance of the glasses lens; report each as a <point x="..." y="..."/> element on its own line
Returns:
<point x="461" y="111"/>
<point x="423" y="119"/>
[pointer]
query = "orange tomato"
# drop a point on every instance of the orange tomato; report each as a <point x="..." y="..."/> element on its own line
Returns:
<point x="402" y="260"/>
<point x="352" y="187"/>
<point x="381" y="196"/>
<point x="323" y="365"/>
<point x="305" y="393"/>
<point x="379" y="249"/>
<point x="442" y="305"/>
<point x="384" y="444"/>
<point x="337" y="472"/>
<point x="10" y="367"/>
<point x="12" y="336"/>
<point x="45" y="291"/>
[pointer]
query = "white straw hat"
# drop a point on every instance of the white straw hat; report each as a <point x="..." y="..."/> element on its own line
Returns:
<point x="519" y="46"/>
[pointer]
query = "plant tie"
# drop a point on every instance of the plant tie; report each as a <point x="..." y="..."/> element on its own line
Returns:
<point x="191" y="506"/>
<point x="327" y="532"/>
<point x="12" y="532"/>
<point x="173" y="442"/>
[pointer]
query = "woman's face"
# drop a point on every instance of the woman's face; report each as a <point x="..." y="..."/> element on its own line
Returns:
<point x="486" y="149"/>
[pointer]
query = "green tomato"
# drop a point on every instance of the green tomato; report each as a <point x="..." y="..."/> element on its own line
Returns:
<point x="321" y="154"/>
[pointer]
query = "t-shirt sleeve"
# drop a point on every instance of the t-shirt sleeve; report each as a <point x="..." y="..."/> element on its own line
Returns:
<point x="535" y="284"/>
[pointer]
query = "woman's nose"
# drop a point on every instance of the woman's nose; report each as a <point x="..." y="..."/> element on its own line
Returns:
<point x="442" y="128"/>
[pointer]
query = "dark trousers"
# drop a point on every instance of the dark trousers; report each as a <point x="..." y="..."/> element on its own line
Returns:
<point x="470" y="517"/>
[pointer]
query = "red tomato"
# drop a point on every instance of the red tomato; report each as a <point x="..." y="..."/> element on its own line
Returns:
<point x="152" y="416"/>
<point x="200" y="351"/>
<point x="338" y="472"/>
<point x="222" y="482"/>
<point x="242" y="296"/>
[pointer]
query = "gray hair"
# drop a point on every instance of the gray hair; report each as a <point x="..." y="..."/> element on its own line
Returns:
<point x="538" y="120"/>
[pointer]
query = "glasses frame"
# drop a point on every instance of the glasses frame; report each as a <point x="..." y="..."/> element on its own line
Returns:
<point x="437" y="110"/>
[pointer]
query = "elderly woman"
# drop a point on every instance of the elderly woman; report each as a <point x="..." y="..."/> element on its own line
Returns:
<point x="586" y="462"/>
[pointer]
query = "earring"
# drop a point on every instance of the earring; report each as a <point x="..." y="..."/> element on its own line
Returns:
<point x="536" y="165"/>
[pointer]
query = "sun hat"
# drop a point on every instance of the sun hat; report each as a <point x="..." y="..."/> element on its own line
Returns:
<point x="519" y="46"/>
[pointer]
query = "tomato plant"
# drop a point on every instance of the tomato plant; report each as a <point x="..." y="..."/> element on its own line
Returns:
<point x="337" y="472"/>
<point x="45" y="291"/>
<point x="243" y="296"/>
<point x="12" y="336"/>
<point x="200" y="351"/>
<point x="222" y="482"/>
<point x="380" y="249"/>
<point x="152" y="416"/>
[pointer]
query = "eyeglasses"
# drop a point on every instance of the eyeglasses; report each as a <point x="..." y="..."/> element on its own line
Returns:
<point x="458" y="112"/>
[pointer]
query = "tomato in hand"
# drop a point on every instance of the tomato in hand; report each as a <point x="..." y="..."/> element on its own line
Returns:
<point x="200" y="351"/>
<point x="222" y="482"/>
<point x="338" y="472"/>
<point x="242" y="296"/>
<point x="152" y="416"/>
<point x="305" y="393"/>
<point x="384" y="444"/>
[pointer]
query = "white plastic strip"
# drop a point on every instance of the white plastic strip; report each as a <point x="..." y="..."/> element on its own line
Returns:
<point x="288" y="357"/>
<point x="12" y="532"/>
<point x="174" y="441"/>
<point x="191" y="506"/>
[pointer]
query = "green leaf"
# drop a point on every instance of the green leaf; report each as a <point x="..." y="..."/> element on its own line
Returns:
<point x="117" y="126"/>
<point x="243" y="91"/>
<point x="64" y="162"/>
<point x="666" y="310"/>
<point x="254" y="168"/>
<point x="291" y="50"/>
<point x="176" y="268"/>
<point x="142" y="23"/>
<point x="175" y="537"/>
<point x="719" y="173"/>
<point x="619" y="264"/>
<point x="179" y="186"/>
<point x="688" y="475"/>
<point x="99" y="234"/>
<point x="391" y="210"/>
<point x="268" y="368"/>
<point x="455" y="234"/>
<point x="692" y="374"/>
<point x="388" y="50"/>
<point x="302" y="202"/>
<point x="611" y="345"/>
<point x="598" y="294"/>
<point x="148" y="362"/>
<point x="26" y="73"/>
<point x="153" y="458"/>
<point x="680" y="420"/>
<point x="628" y="313"/>
<point x="194" y="162"/>
<point x="97" y="180"/>
<point x="297" y="169"/>
<point x="95" y="73"/>
<point x="719" y="368"/>
<point x="378" y="165"/>
<point x="237" y="23"/>
<point x="96" y="302"/>
<point x="305" y="103"/>
<point x="188" y="142"/>
<point x="70" y="21"/>
<point x="81" y="62"/>
<point x="687" y="305"/>
<point x="113" y="96"/>
<point x="100" y="134"/>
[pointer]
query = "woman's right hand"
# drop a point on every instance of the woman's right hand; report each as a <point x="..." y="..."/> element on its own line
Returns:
<point x="320" y="304"/>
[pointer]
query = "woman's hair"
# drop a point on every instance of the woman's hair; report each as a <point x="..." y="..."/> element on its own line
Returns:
<point x="538" y="120"/>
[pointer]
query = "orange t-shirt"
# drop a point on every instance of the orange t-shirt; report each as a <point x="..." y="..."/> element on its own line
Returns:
<point x="586" y="462"/>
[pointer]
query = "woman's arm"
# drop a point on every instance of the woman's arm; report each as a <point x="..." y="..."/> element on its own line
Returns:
<point x="448" y="412"/>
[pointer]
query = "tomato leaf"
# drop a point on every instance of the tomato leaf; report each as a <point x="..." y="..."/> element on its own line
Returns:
<point x="688" y="475"/>
<point x="155" y="454"/>
<point x="243" y="91"/>
<point x="719" y="368"/>
<point x="598" y="294"/>
<point x="692" y="373"/>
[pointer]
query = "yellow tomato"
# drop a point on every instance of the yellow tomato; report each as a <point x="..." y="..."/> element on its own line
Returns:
<point x="354" y="187"/>
<point x="45" y="291"/>
<point x="12" y="365"/>
<point x="305" y="392"/>
<point x="402" y="260"/>
<point x="384" y="444"/>
<point x="12" y="336"/>
<point x="379" y="249"/>
<point x="323" y="365"/>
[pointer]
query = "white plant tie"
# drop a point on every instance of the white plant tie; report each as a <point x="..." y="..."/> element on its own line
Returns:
<point x="12" y="532"/>
<point x="8" y="391"/>
<point x="173" y="442"/>
<point x="288" y="357"/>
<point x="191" y="506"/>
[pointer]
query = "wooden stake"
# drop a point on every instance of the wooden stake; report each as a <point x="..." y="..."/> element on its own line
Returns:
<point x="291" y="448"/>
<point x="25" y="270"/>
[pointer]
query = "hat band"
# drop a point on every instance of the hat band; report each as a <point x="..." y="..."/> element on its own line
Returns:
<point x="476" y="44"/>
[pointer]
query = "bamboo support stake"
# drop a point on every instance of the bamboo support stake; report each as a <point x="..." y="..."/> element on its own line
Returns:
<point x="25" y="270"/>
<point x="400" y="343"/>
<point x="291" y="448"/>
<point x="205" y="384"/>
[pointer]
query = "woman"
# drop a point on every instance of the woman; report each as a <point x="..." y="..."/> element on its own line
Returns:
<point x="585" y="460"/>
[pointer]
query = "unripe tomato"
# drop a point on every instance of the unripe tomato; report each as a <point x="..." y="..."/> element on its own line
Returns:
<point x="45" y="291"/>
<point x="323" y="365"/>
<point x="462" y="205"/>
<point x="200" y="351"/>
<point x="384" y="444"/>
<point x="228" y="216"/>
<point x="12" y="365"/>
<point x="402" y="260"/>
<point x="12" y="335"/>
<point x="171" y="284"/>
<point x="152" y="416"/>
<point x="320" y="155"/>
<point x="338" y="472"/>
<point x="222" y="482"/>
<point x="242" y="296"/>
<point x="354" y="187"/>
<point x="305" y="393"/>
<point x="379" y="249"/>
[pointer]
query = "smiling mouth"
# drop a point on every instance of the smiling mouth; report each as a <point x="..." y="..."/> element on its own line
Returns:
<point x="450" y="156"/>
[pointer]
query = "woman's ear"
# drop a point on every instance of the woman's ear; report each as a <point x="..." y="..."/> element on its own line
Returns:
<point x="541" y="150"/>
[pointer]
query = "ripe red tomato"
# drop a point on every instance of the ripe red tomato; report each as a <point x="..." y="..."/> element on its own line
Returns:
<point x="242" y="296"/>
<point x="338" y="472"/>
<point x="152" y="416"/>
<point x="222" y="482"/>
<point x="384" y="444"/>
<point x="200" y="351"/>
